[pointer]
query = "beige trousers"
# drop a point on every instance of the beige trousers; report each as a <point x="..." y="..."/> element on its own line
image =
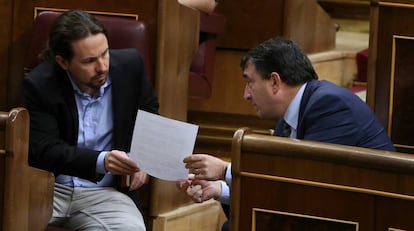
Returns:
<point x="95" y="209"/>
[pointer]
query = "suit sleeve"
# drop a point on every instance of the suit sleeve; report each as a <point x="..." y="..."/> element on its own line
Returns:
<point x="51" y="126"/>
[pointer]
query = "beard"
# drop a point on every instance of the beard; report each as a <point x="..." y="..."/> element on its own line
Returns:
<point x="98" y="80"/>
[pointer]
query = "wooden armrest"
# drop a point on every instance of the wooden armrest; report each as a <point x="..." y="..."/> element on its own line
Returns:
<point x="41" y="198"/>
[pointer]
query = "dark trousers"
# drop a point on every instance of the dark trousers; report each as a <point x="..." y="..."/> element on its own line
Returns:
<point x="226" y="209"/>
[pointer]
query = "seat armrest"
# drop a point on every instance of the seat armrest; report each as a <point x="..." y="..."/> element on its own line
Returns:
<point x="41" y="198"/>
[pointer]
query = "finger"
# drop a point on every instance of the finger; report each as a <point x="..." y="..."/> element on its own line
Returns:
<point x="113" y="163"/>
<point x="129" y="163"/>
<point x="183" y="185"/>
<point x="187" y="159"/>
<point x="193" y="190"/>
<point x="191" y="176"/>
<point x="192" y="159"/>
<point x="116" y="166"/>
<point x="138" y="180"/>
<point x="134" y="184"/>
<point x="122" y="159"/>
<point x="196" y="171"/>
<point x="198" y="196"/>
<point x="201" y="175"/>
<point x="193" y="165"/>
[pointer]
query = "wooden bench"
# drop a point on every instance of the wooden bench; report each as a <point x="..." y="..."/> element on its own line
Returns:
<point x="281" y="183"/>
<point x="26" y="194"/>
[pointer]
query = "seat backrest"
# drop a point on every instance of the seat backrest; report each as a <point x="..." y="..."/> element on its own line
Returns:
<point x="123" y="32"/>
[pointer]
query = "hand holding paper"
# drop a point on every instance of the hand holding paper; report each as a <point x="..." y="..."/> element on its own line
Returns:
<point x="160" y="144"/>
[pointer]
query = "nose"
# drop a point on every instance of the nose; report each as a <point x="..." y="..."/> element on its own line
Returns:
<point x="101" y="65"/>
<point x="247" y="95"/>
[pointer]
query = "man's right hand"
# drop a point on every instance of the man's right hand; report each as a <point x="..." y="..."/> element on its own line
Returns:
<point x="206" y="167"/>
<point x="119" y="163"/>
<point x="201" y="190"/>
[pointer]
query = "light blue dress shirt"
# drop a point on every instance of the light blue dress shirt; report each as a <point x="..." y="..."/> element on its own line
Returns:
<point x="292" y="112"/>
<point x="95" y="131"/>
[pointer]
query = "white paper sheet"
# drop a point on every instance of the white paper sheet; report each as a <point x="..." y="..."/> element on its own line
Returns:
<point x="159" y="145"/>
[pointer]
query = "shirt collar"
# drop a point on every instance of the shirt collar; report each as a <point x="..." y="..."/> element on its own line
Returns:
<point x="292" y="113"/>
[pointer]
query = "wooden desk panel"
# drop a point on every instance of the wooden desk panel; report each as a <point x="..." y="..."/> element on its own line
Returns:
<point x="393" y="214"/>
<point x="389" y="71"/>
<point x="319" y="185"/>
<point x="316" y="207"/>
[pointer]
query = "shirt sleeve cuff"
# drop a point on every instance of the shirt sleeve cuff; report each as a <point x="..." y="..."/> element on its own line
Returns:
<point x="228" y="175"/>
<point x="225" y="193"/>
<point x="100" y="163"/>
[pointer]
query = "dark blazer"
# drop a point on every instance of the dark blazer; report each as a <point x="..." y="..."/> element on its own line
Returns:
<point x="48" y="96"/>
<point x="332" y="114"/>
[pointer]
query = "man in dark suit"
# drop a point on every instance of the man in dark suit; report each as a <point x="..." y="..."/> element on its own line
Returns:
<point x="282" y="84"/>
<point x="83" y="101"/>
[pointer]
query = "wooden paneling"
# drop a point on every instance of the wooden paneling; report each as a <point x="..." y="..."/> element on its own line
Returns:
<point x="390" y="69"/>
<point x="178" y="32"/>
<point x="249" y="24"/>
<point x="323" y="209"/>
<point x="228" y="87"/>
<point x="401" y="121"/>
<point x="333" y="185"/>
<point x="346" y="9"/>
<point x="309" y="25"/>
<point x="2" y="165"/>
<point x="389" y="208"/>
<point x="5" y="43"/>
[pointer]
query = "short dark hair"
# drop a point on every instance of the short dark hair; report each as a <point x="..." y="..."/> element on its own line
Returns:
<point x="69" y="27"/>
<point x="284" y="56"/>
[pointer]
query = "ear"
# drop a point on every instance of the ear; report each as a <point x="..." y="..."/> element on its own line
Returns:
<point x="275" y="80"/>
<point x="63" y="63"/>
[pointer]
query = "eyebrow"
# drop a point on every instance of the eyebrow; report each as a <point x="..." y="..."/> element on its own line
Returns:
<point x="93" y="58"/>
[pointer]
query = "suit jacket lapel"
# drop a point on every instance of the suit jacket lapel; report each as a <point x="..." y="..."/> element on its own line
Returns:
<point x="121" y="107"/>
<point x="117" y="90"/>
<point x="310" y="87"/>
